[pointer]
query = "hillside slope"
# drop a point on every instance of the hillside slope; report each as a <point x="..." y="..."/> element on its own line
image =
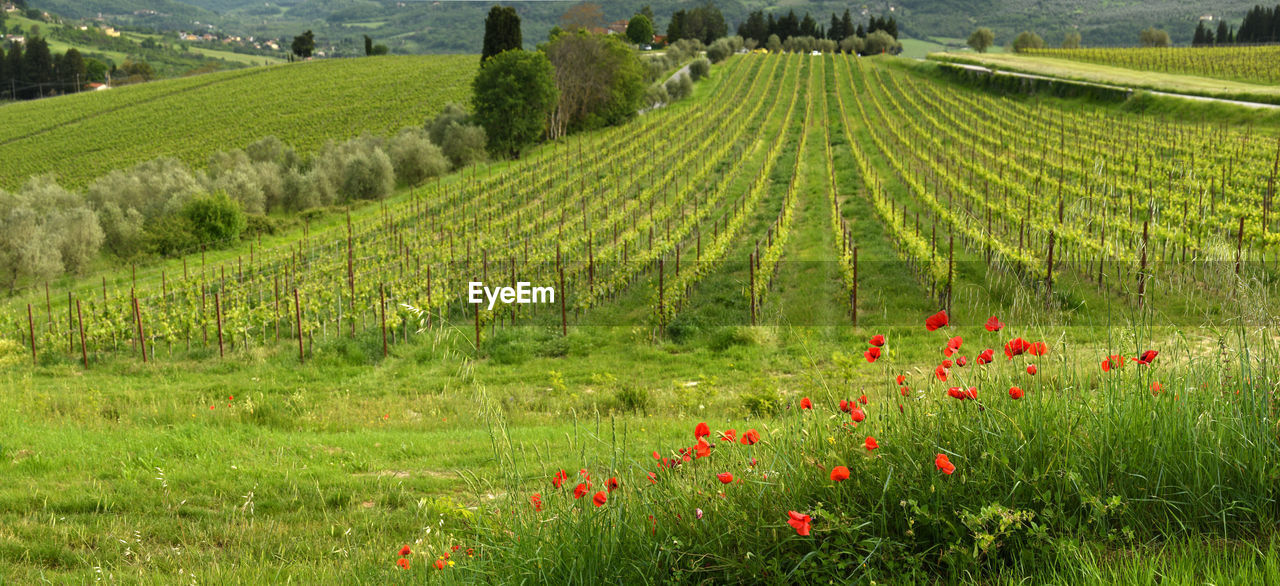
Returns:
<point x="81" y="137"/>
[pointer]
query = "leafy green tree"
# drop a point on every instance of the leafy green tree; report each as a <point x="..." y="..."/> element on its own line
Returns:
<point x="214" y="218"/>
<point x="368" y="45"/>
<point x="501" y="32"/>
<point x="1154" y="37"/>
<point x="774" y="44"/>
<point x="513" y="94"/>
<point x="95" y="71"/>
<point x="71" y="70"/>
<point x="38" y="66"/>
<point x="981" y="39"/>
<point x="882" y="41"/>
<point x="1071" y="40"/>
<point x="304" y="45"/>
<point x="1027" y="40"/>
<point x="600" y="81"/>
<point x="640" y="30"/>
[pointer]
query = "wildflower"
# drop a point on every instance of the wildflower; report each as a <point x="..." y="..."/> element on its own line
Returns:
<point x="1147" y="357"/>
<point x="403" y="563"/>
<point x="1038" y="349"/>
<point x="1113" y="361"/>
<point x="805" y="403"/>
<point x="846" y="405"/>
<point x="1016" y="347"/>
<point x="536" y="499"/>
<point x="961" y="361"/>
<point x="986" y="356"/>
<point x="901" y="377"/>
<point x="862" y="399"/>
<point x="656" y="456"/>
<point x="872" y="354"/>
<point x="994" y="324"/>
<point x="751" y="437"/>
<point x="653" y="478"/>
<point x="903" y="390"/>
<point x="954" y="343"/>
<point x="612" y="484"/>
<point x="580" y="490"/>
<point x="559" y="479"/>
<point x="858" y="414"/>
<point x="439" y="564"/>
<point x="1015" y="392"/>
<point x="1156" y="387"/>
<point x="839" y="474"/>
<point x="870" y="443"/>
<point x="936" y="321"/>
<point x="876" y="340"/>
<point x="941" y="373"/>
<point x="702" y="450"/>
<point x="599" y="499"/>
<point x="404" y="551"/>
<point x="941" y="462"/>
<point x="1031" y="369"/>
<point x="724" y="477"/>
<point x="584" y="474"/>
<point x="701" y="430"/>
<point x="729" y="435"/>
<point x="697" y="513"/>
<point x="799" y="522"/>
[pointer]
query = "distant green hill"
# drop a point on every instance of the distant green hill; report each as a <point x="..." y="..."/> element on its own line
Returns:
<point x="456" y="27"/>
<point x="84" y="136"/>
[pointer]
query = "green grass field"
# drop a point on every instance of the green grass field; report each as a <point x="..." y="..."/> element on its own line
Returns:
<point x="1107" y="74"/>
<point x="252" y="467"/>
<point x="79" y="138"/>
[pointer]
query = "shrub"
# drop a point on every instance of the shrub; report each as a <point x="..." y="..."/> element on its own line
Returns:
<point x="464" y="144"/>
<point x="679" y="87"/>
<point x="699" y="69"/>
<point x="719" y="50"/>
<point x="656" y="95"/>
<point x="414" y="157"/>
<point x="214" y="218"/>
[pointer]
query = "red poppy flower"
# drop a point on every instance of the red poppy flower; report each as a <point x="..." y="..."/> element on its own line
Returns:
<point x="1015" y="347"/>
<point x="1038" y="349"/>
<point x="973" y="393"/>
<point x="870" y="443"/>
<point x="839" y="474"/>
<point x="858" y="414"/>
<point x="862" y="399"/>
<point x="961" y="361"/>
<point x="942" y="463"/>
<point x="994" y="324"/>
<point x="1156" y="387"/>
<point x="403" y="563"/>
<point x="653" y="478"/>
<point x="724" y="477"/>
<point x="656" y="456"/>
<point x="1031" y="369"/>
<point x="946" y="363"/>
<point x="405" y="550"/>
<point x="751" y="437"/>
<point x="1015" y="392"/>
<point x="903" y="390"/>
<point x="872" y="354"/>
<point x="1147" y="357"/>
<point x="580" y="490"/>
<point x="799" y="522"/>
<point x="986" y="356"/>
<point x="955" y="343"/>
<point x="805" y="403"/>
<point x="1113" y="361"/>
<point x="583" y="473"/>
<point x="612" y="484"/>
<point x="729" y="435"/>
<point x="536" y="499"/>
<point x="877" y="340"/>
<point x="936" y="321"/>
<point x="941" y="373"/>
<point x="846" y="405"/>
<point x="901" y="378"/>
<point x="956" y="393"/>
<point x="439" y="564"/>
<point x="599" y="499"/>
<point x="701" y="430"/>
<point x="702" y="450"/>
<point x="559" y="479"/>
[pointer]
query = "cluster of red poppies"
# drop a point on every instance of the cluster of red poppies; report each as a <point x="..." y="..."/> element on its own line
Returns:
<point x="440" y="563"/>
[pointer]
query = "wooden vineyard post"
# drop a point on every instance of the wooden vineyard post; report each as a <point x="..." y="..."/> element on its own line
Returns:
<point x="71" y="328"/>
<point x="217" y="307"/>
<point x="1048" y="273"/>
<point x="84" y="353"/>
<point x="1239" y="245"/>
<point x="31" y="330"/>
<point x="382" y="306"/>
<point x="853" y="294"/>
<point x="951" y="251"/>
<point x="277" y="307"/>
<point x="477" y="313"/>
<point x="751" y="262"/>
<point x="1142" y="267"/>
<point x="564" y="323"/>
<point x="137" y="317"/>
<point x="297" y="316"/>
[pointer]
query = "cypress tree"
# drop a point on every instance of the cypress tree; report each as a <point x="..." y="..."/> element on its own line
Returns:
<point x="501" y="32"/>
